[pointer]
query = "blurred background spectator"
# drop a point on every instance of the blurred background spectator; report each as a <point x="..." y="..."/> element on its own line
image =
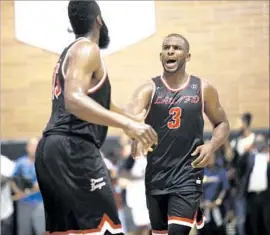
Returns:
<point x="113" y="171"/>
<point x="134" y="173"/>
<point x="30" y="210"/>
<point x="241" y="145"/>
<point x="256" y="171"/>
<point x="7" y="208"/>
<point x="216" y="186"/>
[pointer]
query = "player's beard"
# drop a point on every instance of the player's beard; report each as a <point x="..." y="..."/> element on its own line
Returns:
<point x="104" y="39"/>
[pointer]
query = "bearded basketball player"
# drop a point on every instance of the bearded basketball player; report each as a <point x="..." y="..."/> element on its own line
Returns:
<point x="72" y="176"/>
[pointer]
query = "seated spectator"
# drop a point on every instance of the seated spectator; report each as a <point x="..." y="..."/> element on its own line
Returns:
<point x="255" y="169"/>
<point x="241" y="145"/>
<point x="215" y="189"/>
<point x="30" y="210"/>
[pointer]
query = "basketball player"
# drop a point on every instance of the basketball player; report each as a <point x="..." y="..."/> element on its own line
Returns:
<point x="78" y="196"/>
<point x="176" y="102"/>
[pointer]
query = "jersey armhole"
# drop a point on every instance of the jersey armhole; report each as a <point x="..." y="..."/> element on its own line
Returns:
<point x="151" y="100"/>
<point x="102" y="80"/>
<point x="65" y="59"/>
<point x="202" y="95"/>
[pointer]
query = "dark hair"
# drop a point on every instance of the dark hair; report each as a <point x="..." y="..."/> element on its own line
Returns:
<point x="247" y="118"/>
<point x="82" y="15"/>
<point x="182" y="37"/>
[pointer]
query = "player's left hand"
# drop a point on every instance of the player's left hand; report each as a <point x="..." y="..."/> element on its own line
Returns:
<point x="137" y="150"/>
<point x="204" y="153"/>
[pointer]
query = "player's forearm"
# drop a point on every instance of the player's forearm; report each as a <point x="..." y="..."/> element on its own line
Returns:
<point x="88" y="110"/>
<point x="140" y="101"/>
<point x="220" y="134"/>
<point x="135" y="108"/>
<point x="123" y="111"/>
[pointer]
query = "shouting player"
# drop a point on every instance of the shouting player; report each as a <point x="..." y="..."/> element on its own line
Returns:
<point x="176" y="102"/>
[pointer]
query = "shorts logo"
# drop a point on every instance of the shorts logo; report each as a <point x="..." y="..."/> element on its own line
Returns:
<point x="97" y="184"/>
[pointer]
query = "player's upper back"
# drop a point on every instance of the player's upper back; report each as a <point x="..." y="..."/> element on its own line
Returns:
<point x="61" y="120"/>
<point x="177" y="111"/>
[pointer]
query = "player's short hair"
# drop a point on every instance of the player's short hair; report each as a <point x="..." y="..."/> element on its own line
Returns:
<point x="82" y="15"/>
<point x="182" y="37"/>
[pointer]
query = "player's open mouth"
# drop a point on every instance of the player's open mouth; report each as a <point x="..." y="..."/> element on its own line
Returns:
<point x="170" y="63"/>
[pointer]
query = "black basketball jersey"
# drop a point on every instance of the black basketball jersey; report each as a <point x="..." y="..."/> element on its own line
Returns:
<point x="177" y="117"/>
<point x="63" y="122"/>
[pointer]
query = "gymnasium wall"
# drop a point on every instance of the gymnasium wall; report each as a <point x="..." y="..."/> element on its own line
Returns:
<point x="229" y="45"/>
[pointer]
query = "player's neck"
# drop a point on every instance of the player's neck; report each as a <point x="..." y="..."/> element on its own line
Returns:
<point x="93" y="37"/>
<point x="178" y="78"/>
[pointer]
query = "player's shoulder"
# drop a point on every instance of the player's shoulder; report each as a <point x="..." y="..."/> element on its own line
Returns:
<point x="85" y="48"/>
<point x="208" y="86"/>
<point x="147" y="86"/>
<point x="205" y="84"/>
<point x="208" y="89"/>
<point x="201" y="80"/>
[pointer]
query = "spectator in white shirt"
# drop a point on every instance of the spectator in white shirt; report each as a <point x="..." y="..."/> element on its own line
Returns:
<point x="241" y="145"/>
<point x="7" y="209"/>
<point x="257" y="189"/>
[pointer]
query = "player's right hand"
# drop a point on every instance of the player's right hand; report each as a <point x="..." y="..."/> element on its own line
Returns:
<point x="142" y="133"/>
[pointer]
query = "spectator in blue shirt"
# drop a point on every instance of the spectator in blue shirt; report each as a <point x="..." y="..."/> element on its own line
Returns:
<point x="215" y="189"/>
<point x="30" y="210"/>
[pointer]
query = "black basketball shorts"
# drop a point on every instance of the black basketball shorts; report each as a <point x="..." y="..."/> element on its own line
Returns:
<point x="76" y="188"/>
<point x="174" y="208"/>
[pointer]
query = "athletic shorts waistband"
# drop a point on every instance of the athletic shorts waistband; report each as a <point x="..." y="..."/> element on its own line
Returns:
<point x="73" y="135"/>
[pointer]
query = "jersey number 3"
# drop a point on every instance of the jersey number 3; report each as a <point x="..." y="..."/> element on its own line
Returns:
<point x="175" y="112"/>
<point x="56" y="86"/>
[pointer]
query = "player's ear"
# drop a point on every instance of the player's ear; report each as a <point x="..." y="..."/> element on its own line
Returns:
<point x="99" y="20"/>
<point x="160" y="56"/>
<point x="188" y="57"/>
